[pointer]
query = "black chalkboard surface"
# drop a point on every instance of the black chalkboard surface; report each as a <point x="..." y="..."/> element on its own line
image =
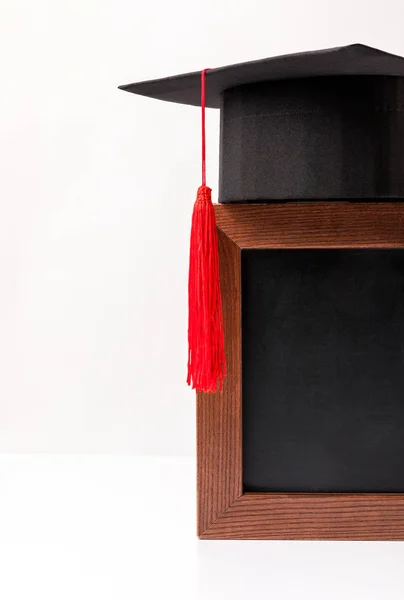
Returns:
<point x="323" y="370"/>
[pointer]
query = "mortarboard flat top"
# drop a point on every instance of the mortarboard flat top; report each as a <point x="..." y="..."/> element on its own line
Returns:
<point x="356" y="59"/>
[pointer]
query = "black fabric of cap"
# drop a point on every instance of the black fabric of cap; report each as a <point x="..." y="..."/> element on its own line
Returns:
<point x="356" y="59"/>
<point x="327" y="138"/>
<point x="322" y="125"/>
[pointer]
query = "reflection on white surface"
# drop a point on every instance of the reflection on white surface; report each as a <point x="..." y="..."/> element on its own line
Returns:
<point x="117" y="528"/>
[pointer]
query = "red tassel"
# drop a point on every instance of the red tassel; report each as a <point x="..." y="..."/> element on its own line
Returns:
<point x="206" y="358"/>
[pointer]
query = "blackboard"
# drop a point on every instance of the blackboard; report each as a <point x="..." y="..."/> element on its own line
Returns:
<point x="323" y="370"/>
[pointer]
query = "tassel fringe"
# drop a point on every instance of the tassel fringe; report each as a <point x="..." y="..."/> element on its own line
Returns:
<point x="206" y="357"/>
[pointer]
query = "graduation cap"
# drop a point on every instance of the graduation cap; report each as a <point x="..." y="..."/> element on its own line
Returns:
<point x="322" y="125"/>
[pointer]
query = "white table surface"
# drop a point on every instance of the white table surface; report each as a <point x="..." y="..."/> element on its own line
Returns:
<point x="113" y="527"/>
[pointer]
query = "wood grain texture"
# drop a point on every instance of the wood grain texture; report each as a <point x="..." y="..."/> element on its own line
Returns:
<point x="219" y="459"/>
<point x="224" y="512"/>
<point x="312" y="517"/>
<point x="313" y="225"/>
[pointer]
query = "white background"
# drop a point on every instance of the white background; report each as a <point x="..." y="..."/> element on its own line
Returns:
<point x="96" y="192"/>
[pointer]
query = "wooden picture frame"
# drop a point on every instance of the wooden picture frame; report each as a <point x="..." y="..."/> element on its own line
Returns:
<point x="224" y="511"/>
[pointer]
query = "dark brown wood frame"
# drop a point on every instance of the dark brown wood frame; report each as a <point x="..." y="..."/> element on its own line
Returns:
<point x="224" y="511"/>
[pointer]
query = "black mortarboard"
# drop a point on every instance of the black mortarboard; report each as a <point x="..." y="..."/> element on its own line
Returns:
<point x="311" y="126"/>
<point x="314" y="125"/>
